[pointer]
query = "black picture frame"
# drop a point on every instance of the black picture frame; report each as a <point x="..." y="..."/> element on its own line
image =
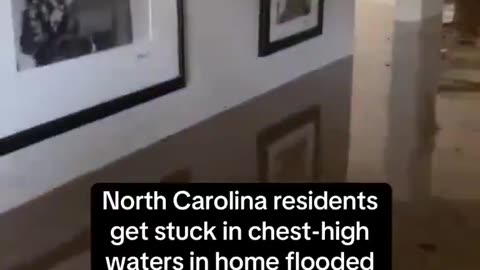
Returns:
<point x="272" y="134"/>
<point x="267" y="47"/>
<point x="39" y="133"/>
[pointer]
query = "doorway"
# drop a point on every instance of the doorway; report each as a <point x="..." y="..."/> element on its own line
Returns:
<point x="456" y="158"/>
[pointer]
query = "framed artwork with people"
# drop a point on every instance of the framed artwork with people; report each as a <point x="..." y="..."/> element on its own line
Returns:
<point x="52" y="31"/>
<point x="67" y="63"/>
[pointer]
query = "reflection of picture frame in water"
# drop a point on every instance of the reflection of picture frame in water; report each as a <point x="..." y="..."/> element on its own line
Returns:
<point x="289" y="150"/>
<point x="284" y="23"/>
<point x="83" y="60"/>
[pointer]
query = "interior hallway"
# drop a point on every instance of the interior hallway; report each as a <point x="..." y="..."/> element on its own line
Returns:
<point x="432" y="162"/>
<point x="456" y="160"/>
<point x="451" y="218"/>
<point x="439" y="232"/>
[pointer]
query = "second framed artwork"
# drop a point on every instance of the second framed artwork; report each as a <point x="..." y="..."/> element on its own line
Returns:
<point x="68" y="63"/>
<point x="289" y="150"/>
<point x="285" y="23"/>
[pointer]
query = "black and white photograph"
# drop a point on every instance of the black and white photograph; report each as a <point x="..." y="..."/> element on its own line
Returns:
<point x="50" y="31"/>
<point x="69" y="63"/>
<point x="288" y="10"/>
<point x="285" y="23"/>
<point x="289" y="150"/>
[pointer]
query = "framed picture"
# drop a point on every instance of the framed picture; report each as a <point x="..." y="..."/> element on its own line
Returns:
<point x="67" y="63"/>
<point x="289" y="150"/>
<point x="284" y="23"/>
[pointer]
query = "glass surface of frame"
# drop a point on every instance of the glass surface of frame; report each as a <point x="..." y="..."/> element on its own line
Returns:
<point x="66" y="63"/>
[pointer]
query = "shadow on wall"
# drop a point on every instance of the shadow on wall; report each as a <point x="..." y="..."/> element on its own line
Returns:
<point x="54" y="227"/>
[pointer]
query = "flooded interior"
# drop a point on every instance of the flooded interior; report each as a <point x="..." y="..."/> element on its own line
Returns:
<point x="409" y="116"/>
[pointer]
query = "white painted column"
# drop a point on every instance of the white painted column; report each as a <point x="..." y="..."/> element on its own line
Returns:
<point x="393" y="94"/>
<point x="374" y="25"/>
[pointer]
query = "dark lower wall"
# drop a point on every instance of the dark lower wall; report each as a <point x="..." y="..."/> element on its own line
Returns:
<point x="223" y="148"/>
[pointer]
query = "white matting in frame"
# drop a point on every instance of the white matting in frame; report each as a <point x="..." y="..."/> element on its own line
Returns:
<point x="290" y="158"/>
<point x="36" y="94"/>
<point x="287" y="19"/>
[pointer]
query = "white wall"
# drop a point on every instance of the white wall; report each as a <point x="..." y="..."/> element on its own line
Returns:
<point x="374" y="26"/>
<point x="223" y="72"/>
